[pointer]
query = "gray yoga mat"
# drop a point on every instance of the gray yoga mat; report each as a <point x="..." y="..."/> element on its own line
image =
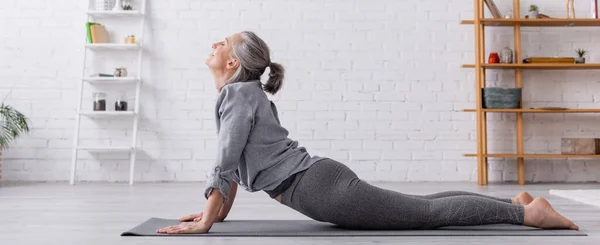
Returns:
<point x="307" y="228"/>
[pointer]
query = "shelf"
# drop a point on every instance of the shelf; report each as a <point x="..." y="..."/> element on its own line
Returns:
<point x="539" y="66"/>
<point x="537" y="22"/>
<point x="111" y="80"/>
<point x="536" y="110"/>
<point x="107" y="149"/>
<point x="112" y="46"/>
<point x="533" y="156"/>
<point x="131" y="13"/>
<point x="107" y="113"/>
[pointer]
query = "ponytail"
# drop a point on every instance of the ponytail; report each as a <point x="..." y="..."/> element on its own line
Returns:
<point x="275" y="78"/>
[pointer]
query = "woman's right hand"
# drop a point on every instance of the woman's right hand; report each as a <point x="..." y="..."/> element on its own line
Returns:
<point x="191" y="217"/>
<point x="196" y="218"/>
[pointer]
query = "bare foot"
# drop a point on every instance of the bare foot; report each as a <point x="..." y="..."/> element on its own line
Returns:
<point x="523" y="198"/>
<point x="539" y="213"/>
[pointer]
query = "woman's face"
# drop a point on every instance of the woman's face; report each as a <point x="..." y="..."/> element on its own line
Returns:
<point x="220" y="58"/>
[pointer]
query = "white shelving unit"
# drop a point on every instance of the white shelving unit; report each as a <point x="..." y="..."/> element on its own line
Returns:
<point x="111" y="81"/>
<point x="112" y="46"/>
<point x="117" y="13"/>
<point x="98" y="114"/>
<point x="107" y="149"/>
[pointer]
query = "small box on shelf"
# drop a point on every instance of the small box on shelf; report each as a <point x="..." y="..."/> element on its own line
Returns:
<point x="572" y="146"/>
<point x="501" y="98"/>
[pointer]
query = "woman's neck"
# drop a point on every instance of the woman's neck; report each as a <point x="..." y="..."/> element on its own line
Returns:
<point x="221" y="78"/>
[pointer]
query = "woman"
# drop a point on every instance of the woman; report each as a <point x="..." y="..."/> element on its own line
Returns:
<point x="255" y="153"/>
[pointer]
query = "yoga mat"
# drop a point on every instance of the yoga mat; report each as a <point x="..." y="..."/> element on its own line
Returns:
<point x="591" y="197"/>
<point x="309" y="228"/>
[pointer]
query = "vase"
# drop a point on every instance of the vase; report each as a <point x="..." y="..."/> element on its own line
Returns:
<point x="533" y="14"/>
<point x="494" y="58"/>
<point x="580" y="60"/>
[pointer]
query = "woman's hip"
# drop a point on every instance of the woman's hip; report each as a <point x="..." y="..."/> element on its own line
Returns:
<point x="315" y="192"/>
<point x="321" y="177"/>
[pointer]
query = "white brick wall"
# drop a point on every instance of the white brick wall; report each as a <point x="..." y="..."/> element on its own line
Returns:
<point x="376" y="85"/>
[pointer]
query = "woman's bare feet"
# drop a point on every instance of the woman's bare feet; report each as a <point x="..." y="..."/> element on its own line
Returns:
<point x="539" y="213"/>
<point x="523" y="198"/>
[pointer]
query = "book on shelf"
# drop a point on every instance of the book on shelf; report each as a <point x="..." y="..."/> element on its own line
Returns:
<point x="89" y="32"/>
<point x="102" y="75"/>
<point x="96" y="33"/>
<point x="551" y="60"/>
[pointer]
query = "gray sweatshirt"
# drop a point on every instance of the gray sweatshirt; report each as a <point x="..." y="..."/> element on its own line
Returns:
<point x="253" y="148"/>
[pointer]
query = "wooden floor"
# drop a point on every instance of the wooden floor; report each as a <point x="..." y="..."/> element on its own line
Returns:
<point x="96" y="213"/>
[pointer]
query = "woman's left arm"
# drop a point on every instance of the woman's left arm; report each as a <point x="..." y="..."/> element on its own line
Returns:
<point x="236" y="120"/>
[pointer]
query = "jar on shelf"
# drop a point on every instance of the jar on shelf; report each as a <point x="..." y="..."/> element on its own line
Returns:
<point x="99" y="101"/>
<point x="130" y="39"/>
<point x="506" y="56"/>
<point x="126" y="5"/>
<point x="121" y="102"/>
<point x="494" y="58"/>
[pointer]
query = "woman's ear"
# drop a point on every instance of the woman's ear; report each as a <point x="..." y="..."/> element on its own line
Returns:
<point x="233" y="64"/>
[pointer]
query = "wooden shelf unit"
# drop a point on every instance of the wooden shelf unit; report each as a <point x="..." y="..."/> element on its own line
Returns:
<point x="538" y="156"/>
<point x="535" y="110"/>
<point x="479" y="23"/>
<point x="557" y="66"/>
<point x="536" y="22"/>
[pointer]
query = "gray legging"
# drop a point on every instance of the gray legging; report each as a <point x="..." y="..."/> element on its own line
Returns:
<point x="331" y="192"/>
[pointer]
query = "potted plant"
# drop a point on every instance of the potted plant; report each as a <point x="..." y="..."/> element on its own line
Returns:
<point x="580" y="59"/>
<point x="12" y="124"/>
<point x="533" y="11"/>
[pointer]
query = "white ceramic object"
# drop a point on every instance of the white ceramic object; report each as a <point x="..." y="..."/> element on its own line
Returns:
<point x="506" y="56"/>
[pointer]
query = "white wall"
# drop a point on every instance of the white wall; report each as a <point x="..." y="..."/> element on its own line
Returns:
<point x="375" y="84"/>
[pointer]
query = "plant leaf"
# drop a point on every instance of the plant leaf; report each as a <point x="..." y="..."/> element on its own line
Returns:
<point x="12" y="124"/>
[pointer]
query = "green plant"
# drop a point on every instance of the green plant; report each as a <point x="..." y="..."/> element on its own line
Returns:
<point x="12" y="124"/>
<point x="533" y="7"/>
<point x="581" y="53"/>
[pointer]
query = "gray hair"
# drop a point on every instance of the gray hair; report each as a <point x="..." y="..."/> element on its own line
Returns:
<point x="254" y="57"/>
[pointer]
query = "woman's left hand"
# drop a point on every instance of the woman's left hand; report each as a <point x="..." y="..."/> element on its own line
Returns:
<point x="186" y="228"/>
